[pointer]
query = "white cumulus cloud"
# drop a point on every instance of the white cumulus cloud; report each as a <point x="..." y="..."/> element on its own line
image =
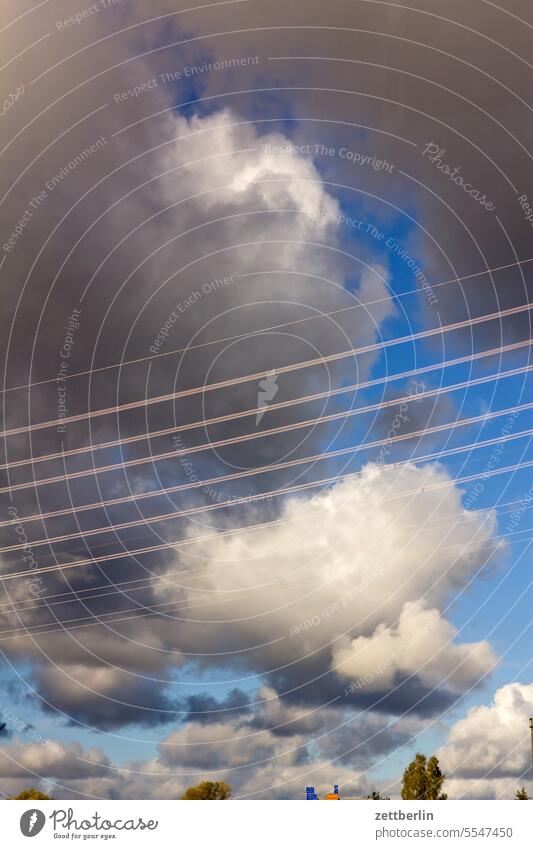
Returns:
<point x="488" y="753"/>
<point x="422" y="644"/>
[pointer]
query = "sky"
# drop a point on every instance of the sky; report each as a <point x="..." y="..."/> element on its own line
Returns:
<point x="266" y="482"/>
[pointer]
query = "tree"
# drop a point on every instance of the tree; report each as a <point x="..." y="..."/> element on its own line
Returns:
<point x="208" y="790"/>
<point x="377" y="797"/>
<point x="435" y="779"/>
<point x="32" y="793"/>
<point x="423" y="779"/>
<point x="521" y="794"/>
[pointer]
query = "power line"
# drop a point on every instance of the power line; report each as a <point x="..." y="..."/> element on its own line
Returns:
<point x="156" y="609"/>
<point x="175" y="515"/>
<point x="211" y="482"/>
<point x="236" y="440"/>
<point x="147" y="582"/>
<point x="274" y="467"/>
<point x="235" y="381"/>
<point x="138" y="360"/>
<point x="191" y="541"/>
<point x="154" y="434"/>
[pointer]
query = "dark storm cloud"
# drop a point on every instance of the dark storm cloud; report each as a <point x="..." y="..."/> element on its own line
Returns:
<point x="412" y="415"/>
<point x="205" y="708"/>
<point x="312" y="684"/>
<point x="452" y="77"/>
<point x="102" y="697"/>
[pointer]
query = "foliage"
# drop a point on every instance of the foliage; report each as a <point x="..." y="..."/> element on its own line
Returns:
<point x="32" y="793"/>
<point x="377" y="797"/>
<point x="521" y="794"/>
<point x="208" y="790"/>
<point x="423" y="779"/>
